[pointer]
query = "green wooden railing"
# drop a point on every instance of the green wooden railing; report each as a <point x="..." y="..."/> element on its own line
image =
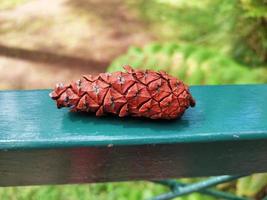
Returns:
<point x="225" y="134"/>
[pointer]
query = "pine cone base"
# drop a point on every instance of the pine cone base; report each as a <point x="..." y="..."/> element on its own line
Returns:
<point x="137" y="93"/>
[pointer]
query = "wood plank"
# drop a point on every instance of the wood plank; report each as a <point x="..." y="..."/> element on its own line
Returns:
<point x="226" y="133"/>
<point x="124" y="163"/>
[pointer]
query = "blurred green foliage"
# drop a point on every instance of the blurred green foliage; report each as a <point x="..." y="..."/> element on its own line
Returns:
<point x="251" y="185"/>
<point x="108" y="191"/>
<point x="194" y="65"/>
<point x="248" y="186"/>
<point x="235" y="27"/>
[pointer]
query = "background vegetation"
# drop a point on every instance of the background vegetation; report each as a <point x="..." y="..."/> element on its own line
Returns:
<point x="202" y="42"/>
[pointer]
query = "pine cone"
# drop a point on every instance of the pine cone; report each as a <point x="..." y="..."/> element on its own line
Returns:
<point x="138" y="93"/>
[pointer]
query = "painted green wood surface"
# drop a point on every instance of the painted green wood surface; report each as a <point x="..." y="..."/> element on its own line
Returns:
<point x="226" y="133"/>
<point x="29" y="119"/>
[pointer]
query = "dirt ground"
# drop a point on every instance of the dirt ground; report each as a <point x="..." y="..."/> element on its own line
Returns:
<point x="45" y="41"/>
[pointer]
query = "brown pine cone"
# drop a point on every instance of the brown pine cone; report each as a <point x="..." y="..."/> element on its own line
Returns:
<point x="137" y="93"/>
